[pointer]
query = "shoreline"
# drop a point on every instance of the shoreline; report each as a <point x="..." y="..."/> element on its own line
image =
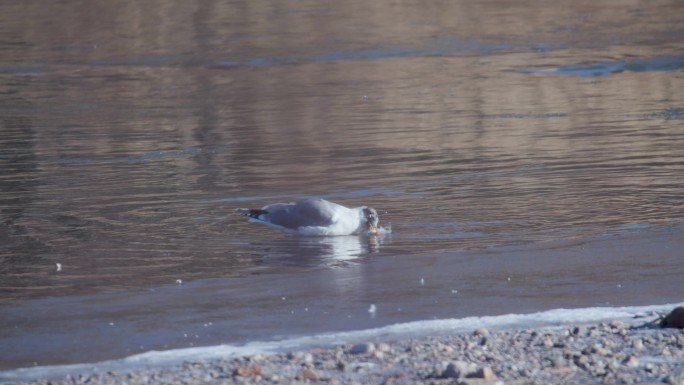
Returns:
<point x="635" y="351"/>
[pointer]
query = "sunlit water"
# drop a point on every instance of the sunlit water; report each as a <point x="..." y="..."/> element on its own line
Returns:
<point x="527" y="156"/>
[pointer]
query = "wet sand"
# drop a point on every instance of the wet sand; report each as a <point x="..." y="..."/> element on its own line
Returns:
<point x="635" y="351"/>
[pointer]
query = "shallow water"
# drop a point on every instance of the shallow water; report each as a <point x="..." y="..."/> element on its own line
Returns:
<point x="537" y="142"/>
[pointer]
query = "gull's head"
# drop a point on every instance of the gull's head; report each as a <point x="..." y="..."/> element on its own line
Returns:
<point x="371" y="220"/>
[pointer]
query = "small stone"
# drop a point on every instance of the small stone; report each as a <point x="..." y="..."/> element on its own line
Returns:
<point x="383" y="347"/>
<point x="637" y="344"/>
<point x="582" y="361"/>
<point x="309" y="374"/>
<point x="631" y="361"/>
<point x="626" y="378"/>
<point x="558" y="362"/>
<point x="257" y="358"/>
<point x="674" y="379"/>
<point x="451" y="371"/>
<point x="600" y="350"/>
<point x="675" y="319"/>
<point x="484" y="373"/>
<point x="438" y="370"/>
<point x="523" y="372"/>
<point x="362" y="348"/>
<point x="248" y="371"/>
<point x="458" y="369"/>
<point x="561" y="370"/>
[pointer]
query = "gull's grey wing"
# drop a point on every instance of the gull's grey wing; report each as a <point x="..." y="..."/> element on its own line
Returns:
<point x="310" y="212"/>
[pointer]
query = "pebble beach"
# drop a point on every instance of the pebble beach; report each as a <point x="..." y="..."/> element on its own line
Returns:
<point x="648" y="349"/>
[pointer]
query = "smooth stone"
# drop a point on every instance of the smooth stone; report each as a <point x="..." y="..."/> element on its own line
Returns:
<point x="484" y="373"/>
<point x="309" y="374"/>
<point x="362" y="348"/>
<point x="675" y="319"/>
<point x="384" y="347"/>
<point x="248" y="371"/>
<point x="674" y="379"/>
<point x="631" y="361"/>
<point x="458" y="369"/>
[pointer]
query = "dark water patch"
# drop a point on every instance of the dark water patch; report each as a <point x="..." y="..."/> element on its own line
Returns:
<point x="378" y="54"/>
<point x="336" y="56"/>
<point x="528" y="115"/>
<point x="668" y="114"/>
<point x="605" y="68"/>
<point x="148" y="60"/>
<point x="23" y="70"/>
<point x="459" y="44"/>
<point x="330" y="196"/>
<point x="451" y="46"/>
<point x="145" y="157"/>
<point x="464" y="48"/>
<point x="265" y="198"/>
<point x="440" y="47"/>
<point x="371" y="192"/>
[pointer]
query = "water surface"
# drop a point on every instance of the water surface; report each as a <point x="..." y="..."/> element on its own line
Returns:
<point x="528" y="156"/>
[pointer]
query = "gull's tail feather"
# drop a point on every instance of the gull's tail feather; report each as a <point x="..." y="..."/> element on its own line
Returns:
<point x="252" y="213"/>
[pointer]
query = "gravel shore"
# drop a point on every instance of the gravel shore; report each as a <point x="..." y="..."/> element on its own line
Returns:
<point x="617" y="352"/>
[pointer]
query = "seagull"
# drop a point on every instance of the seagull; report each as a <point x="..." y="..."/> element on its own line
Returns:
<point x="315" y="217"/>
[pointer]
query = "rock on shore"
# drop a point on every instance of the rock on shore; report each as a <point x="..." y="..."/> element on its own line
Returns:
<point x="611" y="353"/>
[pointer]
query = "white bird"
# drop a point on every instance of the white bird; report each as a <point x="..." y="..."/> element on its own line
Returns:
<point x="315" y="217"/>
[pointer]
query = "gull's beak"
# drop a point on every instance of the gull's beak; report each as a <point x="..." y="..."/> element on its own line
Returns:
<point x="372" y="229"/>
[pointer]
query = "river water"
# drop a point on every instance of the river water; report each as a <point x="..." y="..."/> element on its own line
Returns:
<point x="527" y="156"/>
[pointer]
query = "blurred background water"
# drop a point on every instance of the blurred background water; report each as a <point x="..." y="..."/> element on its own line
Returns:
<point x="527" y="155"/>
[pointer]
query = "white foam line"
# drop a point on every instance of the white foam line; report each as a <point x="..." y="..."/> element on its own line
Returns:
<point x="549" y="318"/>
